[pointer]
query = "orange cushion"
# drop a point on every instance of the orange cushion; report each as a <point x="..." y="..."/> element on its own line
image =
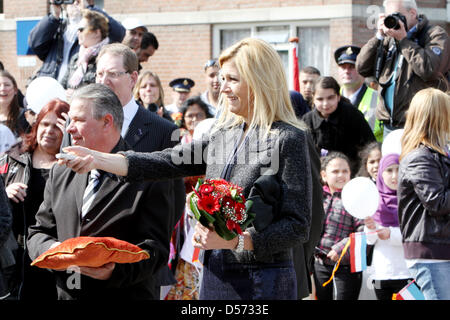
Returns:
<point x="89" y="252"/>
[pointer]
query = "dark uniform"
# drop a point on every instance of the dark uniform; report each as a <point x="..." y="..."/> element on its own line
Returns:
<point x="179" y="85"/>
<point x="367" y="98"/>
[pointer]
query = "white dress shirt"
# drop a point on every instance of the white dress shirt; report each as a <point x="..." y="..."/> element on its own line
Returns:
<point x="129" y="111"/>
<point x="172" y="108"/>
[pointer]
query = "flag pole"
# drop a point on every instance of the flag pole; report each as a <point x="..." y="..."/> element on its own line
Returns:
<point x="295" y="74"/>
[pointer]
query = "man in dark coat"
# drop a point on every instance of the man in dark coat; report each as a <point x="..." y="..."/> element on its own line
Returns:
<point x="133" y="212"/>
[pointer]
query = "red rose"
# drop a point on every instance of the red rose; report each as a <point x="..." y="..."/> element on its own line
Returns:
<point x="239" y="206"/>
<point x="231" y="225"/>
<point x="209" y="204"/>
<point x="228" y="201"/>
<point x="205" y="189"/>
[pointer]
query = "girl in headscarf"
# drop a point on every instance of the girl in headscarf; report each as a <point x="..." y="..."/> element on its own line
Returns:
<point x="390" y="273"/>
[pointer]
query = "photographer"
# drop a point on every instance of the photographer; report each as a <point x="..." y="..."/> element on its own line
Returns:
<point x="406" y="55"/>
<point x="54" y="39"/>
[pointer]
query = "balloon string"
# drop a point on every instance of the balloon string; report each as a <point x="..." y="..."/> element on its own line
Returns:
<point x="342" y="255"/>
<point x="338" y="262"/>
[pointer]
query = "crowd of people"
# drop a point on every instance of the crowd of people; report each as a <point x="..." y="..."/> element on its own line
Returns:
<point x="136" y="161"/>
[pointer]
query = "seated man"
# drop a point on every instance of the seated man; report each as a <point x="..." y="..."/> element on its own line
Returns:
<point x="136" y="212"/>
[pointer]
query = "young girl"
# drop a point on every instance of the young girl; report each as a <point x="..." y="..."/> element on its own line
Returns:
<point x="338" y="225"/>
<point x="336" y="125"/>
<point x="370" y="159"/>
<point x="390" y="273"/>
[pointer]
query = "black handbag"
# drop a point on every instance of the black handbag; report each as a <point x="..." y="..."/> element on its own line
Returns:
<point x="265" y="194"/>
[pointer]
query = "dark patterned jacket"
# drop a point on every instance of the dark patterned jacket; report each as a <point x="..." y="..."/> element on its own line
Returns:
<point x="283" y="153"/>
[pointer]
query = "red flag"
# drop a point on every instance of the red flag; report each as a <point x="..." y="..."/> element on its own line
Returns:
<point x="295" y="73"/>
<point x="195" y="255"/>
<point x="4" y="168"/>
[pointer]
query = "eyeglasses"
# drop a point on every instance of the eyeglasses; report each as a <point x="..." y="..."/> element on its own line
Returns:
<point x="110" y="74"/>
<point x="210" y="63"/>
<point x="200" y="115"/>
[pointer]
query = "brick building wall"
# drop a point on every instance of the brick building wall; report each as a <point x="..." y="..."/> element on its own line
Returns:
<point x="187" y="29"/>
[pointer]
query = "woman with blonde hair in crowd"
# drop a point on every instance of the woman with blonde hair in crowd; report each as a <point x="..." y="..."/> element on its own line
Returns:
<point x="148" y="92"/>
<point x="424" y="192"/>
<point x="257" y="137"/>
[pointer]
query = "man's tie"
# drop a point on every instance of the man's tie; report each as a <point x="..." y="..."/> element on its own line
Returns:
<point x="91" y="190"/>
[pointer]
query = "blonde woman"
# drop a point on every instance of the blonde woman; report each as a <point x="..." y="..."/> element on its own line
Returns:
<point x="256" y="137"/>
<point x="424" y="192"/>
<point x="149" y="92"/>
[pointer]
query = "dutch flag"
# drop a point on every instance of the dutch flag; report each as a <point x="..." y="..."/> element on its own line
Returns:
<point x="358" y="256"/>
<point x="409" y="292"/>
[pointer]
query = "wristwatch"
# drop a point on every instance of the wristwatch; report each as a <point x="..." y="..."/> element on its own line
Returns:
<point x="240" y="244"/>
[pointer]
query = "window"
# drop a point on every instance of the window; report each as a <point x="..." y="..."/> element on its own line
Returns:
<point x="99" y="3"/>
<point x="230" y="36"/>
<point x="314" y="46"/>
<point x="273" y="34"/>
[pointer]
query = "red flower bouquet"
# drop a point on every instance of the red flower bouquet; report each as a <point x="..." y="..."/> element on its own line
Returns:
<point x="223" y="205"/>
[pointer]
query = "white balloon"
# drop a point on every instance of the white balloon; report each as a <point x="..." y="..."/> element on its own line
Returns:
<point x="41" y="90"/>
<point x="360" y="197"/>
<point x="392" y="143"/>
<point x="7" y="138"/>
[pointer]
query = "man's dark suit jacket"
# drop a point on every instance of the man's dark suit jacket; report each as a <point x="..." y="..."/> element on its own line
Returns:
<point x="149" y="132"/>
<point x="126" y="211"/>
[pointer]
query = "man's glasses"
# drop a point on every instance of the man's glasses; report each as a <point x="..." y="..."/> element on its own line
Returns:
<point x="110" y="74"/>
<point x="210" y="63"/>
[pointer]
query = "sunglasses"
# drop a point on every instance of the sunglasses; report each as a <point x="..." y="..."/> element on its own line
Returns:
<point x="210" y="63"/>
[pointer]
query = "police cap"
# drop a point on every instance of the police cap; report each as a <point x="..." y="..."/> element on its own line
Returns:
<point x="182" y="84"/>
<point x="346" y="54"/>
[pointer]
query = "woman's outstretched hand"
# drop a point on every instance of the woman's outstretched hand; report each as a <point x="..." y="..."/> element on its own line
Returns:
<point x="83" y="161"/>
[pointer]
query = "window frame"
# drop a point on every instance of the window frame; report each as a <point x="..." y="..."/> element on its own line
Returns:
<point x="293" y="25"/>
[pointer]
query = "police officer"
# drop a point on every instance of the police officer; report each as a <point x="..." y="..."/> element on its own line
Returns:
<point x="181" y="91"/>
<point x="354" y="88"/>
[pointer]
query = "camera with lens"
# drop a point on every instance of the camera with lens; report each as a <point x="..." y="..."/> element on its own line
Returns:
<point x="392" y="21"/>
<point x="60" y="2"/>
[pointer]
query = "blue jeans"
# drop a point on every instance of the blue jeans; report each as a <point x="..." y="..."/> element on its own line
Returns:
<point x="433" y="279"/>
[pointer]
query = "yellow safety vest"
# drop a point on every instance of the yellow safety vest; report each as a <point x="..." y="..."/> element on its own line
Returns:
<point x="368" y="106"/>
